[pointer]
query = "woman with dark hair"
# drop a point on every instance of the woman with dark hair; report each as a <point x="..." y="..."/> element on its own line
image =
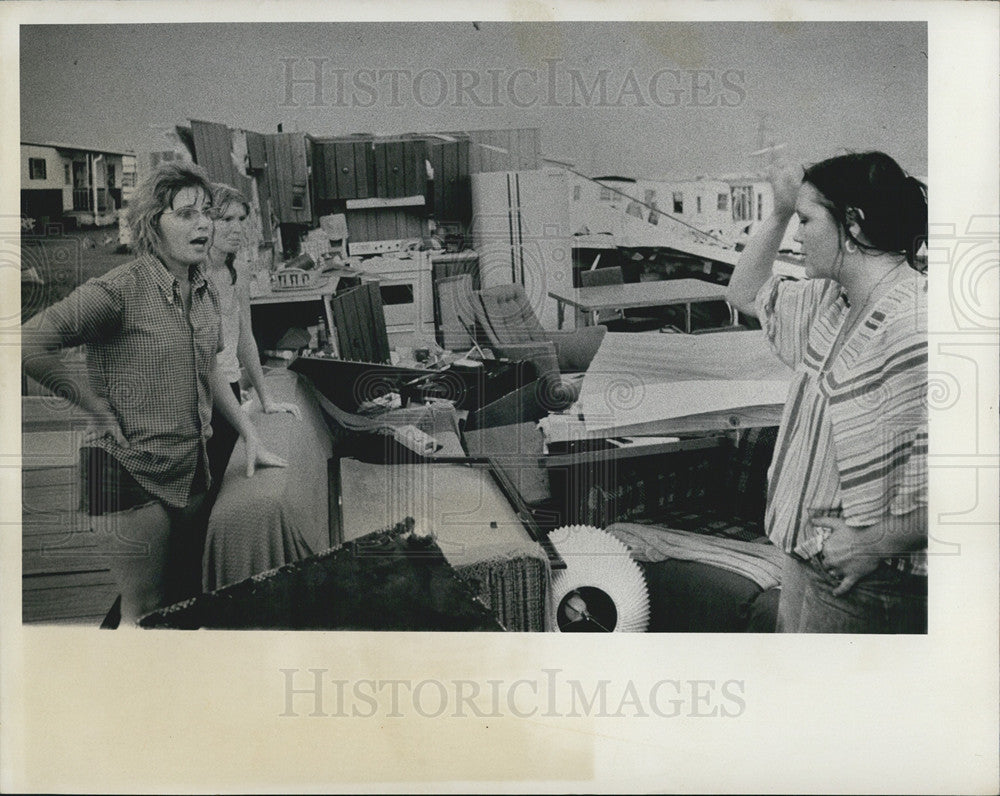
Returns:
<point x="151" y="328"/>
<point x="229" y="212"/>
<point x="847" y="496"/>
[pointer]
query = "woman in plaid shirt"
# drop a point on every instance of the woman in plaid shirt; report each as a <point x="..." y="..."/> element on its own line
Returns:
<point x="152" y="331"/>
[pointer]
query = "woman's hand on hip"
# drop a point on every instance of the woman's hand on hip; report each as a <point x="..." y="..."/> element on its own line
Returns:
<point x="100" y="426"/>
<point x="847" y="553"/>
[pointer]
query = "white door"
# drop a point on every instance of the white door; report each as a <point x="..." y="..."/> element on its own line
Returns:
<point x="521" y="230"/>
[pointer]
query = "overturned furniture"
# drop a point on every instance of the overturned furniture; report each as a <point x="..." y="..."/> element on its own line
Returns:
<point x="514" y="331"/>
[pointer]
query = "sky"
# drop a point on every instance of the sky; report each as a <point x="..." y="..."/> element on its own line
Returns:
<point x="678" y="99"/>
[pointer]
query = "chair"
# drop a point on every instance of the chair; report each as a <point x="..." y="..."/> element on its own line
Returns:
<point x="335" y="227"/>
<point x="514" y="331"/>
<point x="616" y="320"/>
<point x="613" y="319"/>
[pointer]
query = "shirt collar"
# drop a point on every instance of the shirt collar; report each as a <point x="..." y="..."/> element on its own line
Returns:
<point x="165" y="280"/>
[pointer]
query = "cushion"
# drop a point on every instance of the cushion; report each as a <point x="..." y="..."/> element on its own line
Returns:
<point x="691" y="597"/>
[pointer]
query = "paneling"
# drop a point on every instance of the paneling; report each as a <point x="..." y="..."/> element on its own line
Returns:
<point x="414" y="167"/>
<point x="393" y="223"/>
<point x="503" y="150"/>
<point x="450" y="161"/>
<point x="287" y="170"/>
<point x="360" y="321"/>
<point x="213" y="151"/>
<point x="257" y="150"/>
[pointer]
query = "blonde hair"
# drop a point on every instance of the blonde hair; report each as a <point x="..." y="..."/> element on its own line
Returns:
<point x="222" y="196"/>
<point x="156" y="194"/>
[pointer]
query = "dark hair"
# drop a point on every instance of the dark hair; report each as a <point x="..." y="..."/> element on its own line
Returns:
<point x="156" y="194"/>
<point x="222" y="196"/>
<point x="892" y="205"/>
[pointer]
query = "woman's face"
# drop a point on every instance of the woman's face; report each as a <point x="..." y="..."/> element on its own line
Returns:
<point x="228" y="234"/>
<point x="818" y="234"/>
<point x="185" y="228"/>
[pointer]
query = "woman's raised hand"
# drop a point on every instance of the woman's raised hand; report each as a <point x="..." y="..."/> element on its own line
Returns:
<point x="786" y="179"/>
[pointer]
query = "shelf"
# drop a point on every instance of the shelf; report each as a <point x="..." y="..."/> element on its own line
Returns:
<point x="377" y="203"/>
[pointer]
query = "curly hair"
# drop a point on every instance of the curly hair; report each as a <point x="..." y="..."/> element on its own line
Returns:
<point x="156" y="194"/>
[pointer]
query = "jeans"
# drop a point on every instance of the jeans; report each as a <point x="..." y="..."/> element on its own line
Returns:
<point x="886" y="601"/>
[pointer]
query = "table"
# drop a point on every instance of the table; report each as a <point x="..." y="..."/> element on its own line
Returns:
<point x="661" y="384"/>
<point x="592" y="300"/>
<point x="321" y="293"/>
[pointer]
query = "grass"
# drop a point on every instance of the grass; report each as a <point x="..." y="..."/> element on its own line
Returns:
<point x="64" y="260"/>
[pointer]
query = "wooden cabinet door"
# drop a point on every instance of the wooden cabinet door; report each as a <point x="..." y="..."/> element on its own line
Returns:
<point x="288" y="177"/>
<point x="452" y="195"/>
<point x="399" y="169"/>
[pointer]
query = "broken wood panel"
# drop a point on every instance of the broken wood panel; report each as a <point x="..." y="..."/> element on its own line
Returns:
<point x="360" y="322"/>
<point x="213" y="150"/>
<point x="257" y="151"/>
<point x="414" y="168"/>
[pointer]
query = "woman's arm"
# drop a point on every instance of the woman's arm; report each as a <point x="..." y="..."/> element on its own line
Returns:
<point x="225" y="402"/>
<point x="249" y="356"/>
<point x="42" y="342"/>
<point x="756" y="261"/>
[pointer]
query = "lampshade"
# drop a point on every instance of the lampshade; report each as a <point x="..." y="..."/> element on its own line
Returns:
<point x="602" y="589"/>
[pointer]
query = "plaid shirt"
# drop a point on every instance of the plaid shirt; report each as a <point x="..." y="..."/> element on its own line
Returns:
<point x="152" y="365"/>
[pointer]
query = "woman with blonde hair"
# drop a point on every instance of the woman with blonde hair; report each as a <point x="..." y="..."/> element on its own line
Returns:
<point x="152" y="332"/>
<point x="229" y="213"/>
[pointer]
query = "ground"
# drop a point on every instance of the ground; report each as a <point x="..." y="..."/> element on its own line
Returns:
<point x="63" y="260"/>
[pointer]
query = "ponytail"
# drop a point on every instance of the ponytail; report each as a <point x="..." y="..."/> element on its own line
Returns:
<point x="916" y="214"/>
<point x="892" y="204"/>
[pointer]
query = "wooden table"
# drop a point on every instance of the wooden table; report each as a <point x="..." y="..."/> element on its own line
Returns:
<point x="591" y="300"/>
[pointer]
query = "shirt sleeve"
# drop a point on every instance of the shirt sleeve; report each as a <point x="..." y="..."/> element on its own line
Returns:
<point x="787" y="309"/>
<point x="89" y="314"/>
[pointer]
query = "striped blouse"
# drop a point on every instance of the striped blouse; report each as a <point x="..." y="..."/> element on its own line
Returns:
<point x="853" y="436"/>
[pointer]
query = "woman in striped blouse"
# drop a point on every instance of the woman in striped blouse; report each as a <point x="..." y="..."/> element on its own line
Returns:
<point x="847" y="495"/>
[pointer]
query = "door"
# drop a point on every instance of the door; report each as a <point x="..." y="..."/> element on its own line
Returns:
<point x="521" y="231"/>
<point x="81" y="186"/>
